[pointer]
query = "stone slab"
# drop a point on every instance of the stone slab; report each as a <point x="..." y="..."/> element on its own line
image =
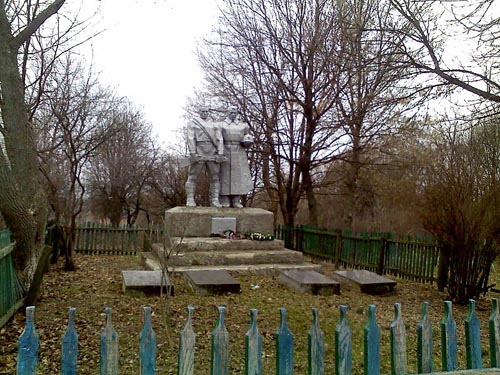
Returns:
<point x="222" y="224"/>
<point x="144" y="282"/>
<point x="208" y="283"/>
<point x="368" y="282"/>
<point x="313" y="282"/>
<point x="197" y="221"/>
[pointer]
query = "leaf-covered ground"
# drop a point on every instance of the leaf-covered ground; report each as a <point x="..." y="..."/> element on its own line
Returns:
<point x="97" y="284"/>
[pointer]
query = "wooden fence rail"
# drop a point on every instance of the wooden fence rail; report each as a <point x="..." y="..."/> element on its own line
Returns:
<point x="414" y="258"/>
<point x="109" y="360"/>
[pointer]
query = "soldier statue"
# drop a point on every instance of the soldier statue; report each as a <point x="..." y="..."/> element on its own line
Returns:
<point x="206" y="148"/>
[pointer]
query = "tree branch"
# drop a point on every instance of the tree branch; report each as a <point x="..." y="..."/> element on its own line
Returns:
<point x="35" y="24"/>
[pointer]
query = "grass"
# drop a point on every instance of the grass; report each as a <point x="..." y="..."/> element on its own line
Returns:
<point x="97" y="284"/>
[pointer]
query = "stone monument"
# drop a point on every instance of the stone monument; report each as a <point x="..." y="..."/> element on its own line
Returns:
<point x="198" y="233"/>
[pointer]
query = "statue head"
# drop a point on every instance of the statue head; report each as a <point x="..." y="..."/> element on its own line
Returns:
<point x="203" y="112"/>
<point x="232" y="113"/>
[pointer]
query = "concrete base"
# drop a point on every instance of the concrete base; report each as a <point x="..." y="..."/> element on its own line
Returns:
<point x="197" y="221"/>
<point x="309" y="282"/>
<point x="368" y="282"/>
<point x="207" y="283"/>
<point x="138" y="283"/>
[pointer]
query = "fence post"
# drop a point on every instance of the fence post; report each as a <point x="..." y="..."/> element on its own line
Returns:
<point x="343" y="345"/>
<point x="27" y="355"/>
<point x="69" y="354"/>
<point x="381" y="259"/>
<point x="398" y="343"/>
<point x="494" y="328"/>
<point x="147" y="346"/>
<point x="284" y="347"/>
<point x="449" y="339"/>
<point x="424" y="342"/>
<point x="253" y="347"/>
<point x="473" y="338"/>
<point x="316" y="347"/>
<point x="220" y="346"/>
<point x="187" y="341"/>
<point x="109" y="347"/>
<point x="372" y="344"/>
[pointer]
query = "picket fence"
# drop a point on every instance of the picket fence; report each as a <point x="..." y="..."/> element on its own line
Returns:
<point x="407" y="257"/>
<point x="11" y="291"/>
<point x="29" y="343"/>
<point x="94" y="238"/>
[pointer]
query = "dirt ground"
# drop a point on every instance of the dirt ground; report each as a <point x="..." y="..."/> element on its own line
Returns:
<point x="97" y="284"/>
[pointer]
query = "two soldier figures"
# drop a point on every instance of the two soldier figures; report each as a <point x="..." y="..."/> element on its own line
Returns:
<point x="221" y="148"/>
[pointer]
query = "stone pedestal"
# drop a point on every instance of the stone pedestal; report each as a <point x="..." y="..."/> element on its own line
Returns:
<point x="197" y="221"/>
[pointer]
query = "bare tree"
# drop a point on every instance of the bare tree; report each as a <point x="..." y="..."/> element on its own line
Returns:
<point x="73" y="121"/>
<point x="428" y="25"/>
<point x="22" y="201"/>
<point x="122" y="167"/>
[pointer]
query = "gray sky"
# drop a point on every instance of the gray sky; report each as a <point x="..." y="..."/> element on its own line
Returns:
<point x="147" y="52"/>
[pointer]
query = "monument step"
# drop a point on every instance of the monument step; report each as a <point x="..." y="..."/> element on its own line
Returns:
<point x="189" y="244"/>
<point x="150" y="261"/>
<point x="207" y="258"/>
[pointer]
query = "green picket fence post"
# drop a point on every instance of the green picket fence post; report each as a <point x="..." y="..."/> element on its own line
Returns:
<point x="316" y="347"/>
<point x="109" y="347"/>
<point x="343" y="345"/>
<point x="147" y="346"/>
<point x="473" y="338"/>
<point x="187" y="341"/>
<point x="69" y="353"/>
<point x="398" y="343"/>
<point x="424" y="342"/>
<point x="27" y="355"/>
<point x="253" y="347"/>
<point x="449" y="339"/>
<point x="220" y="346"/>
<point x="284" y="347"/>
<point x="371" y="344"/>
<point x="494" y="331"/>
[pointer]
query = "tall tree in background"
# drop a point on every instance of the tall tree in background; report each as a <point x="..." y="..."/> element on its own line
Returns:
<point x="273" y="58"/>
<point x="123" y="166"/>
<point x="22" y="201"/>
<point x="371" y="92"/>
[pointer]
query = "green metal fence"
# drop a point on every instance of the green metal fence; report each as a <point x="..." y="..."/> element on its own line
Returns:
<point x="411" y="257"/>
<point x="11" y="291"/>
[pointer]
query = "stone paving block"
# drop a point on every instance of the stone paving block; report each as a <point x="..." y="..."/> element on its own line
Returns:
<point x="307" y="281"/>
<point x="207" y="283"/>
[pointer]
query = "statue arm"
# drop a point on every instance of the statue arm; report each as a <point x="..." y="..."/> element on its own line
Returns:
<point x="191" y="138"/>
<point x="220" y="140"/>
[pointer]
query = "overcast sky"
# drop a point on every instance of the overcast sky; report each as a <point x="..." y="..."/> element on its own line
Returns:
<point x="147" y="52"/>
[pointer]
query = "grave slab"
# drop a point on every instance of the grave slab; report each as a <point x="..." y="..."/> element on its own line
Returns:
<point x="368" y="282"/>
<point x="206" y="283"/>
<point x="313" y="282"/>
<point x="137" y="283"/>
